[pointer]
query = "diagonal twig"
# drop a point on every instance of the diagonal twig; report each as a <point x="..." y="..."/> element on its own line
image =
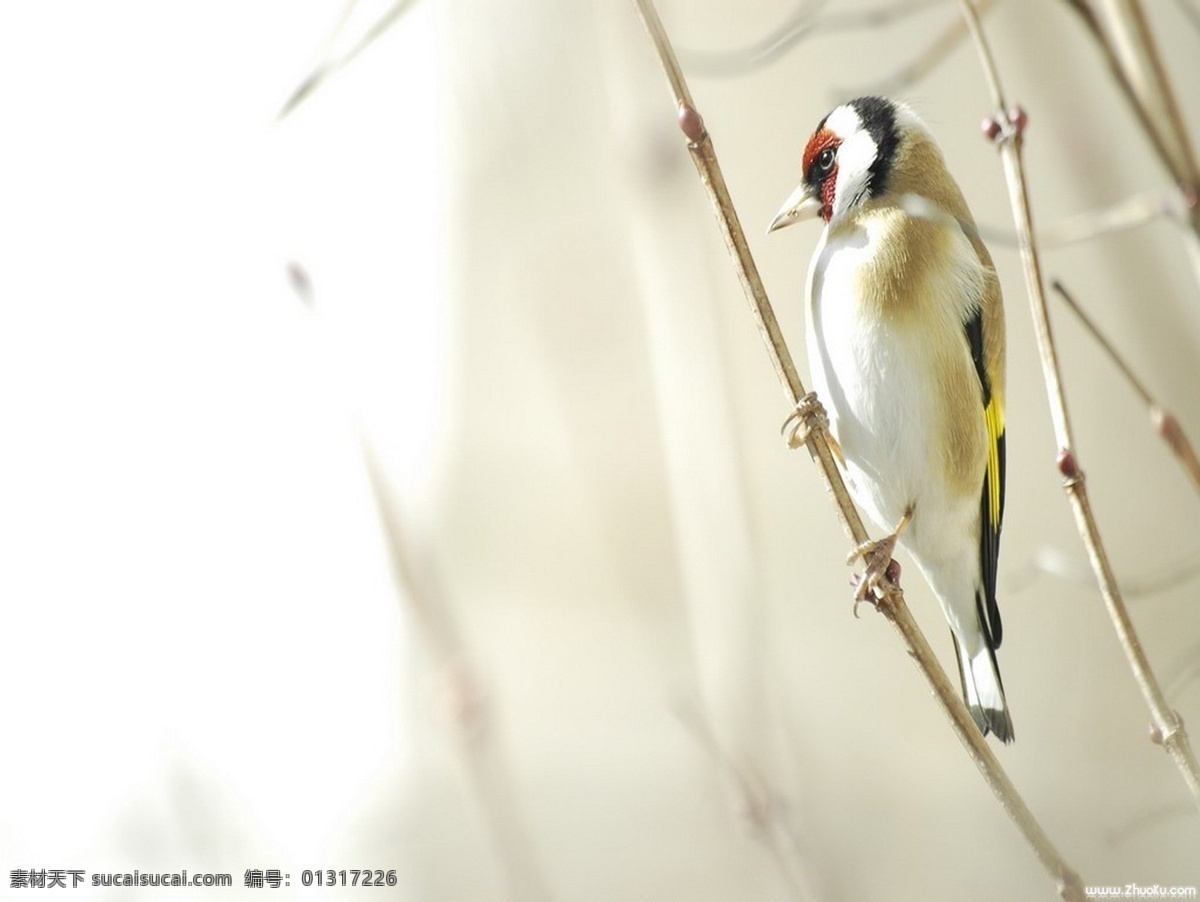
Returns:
<point x="460" y="696"/>
<point x="1160" y="85"/>
<point x="1165" y="423"/>
<point x="1190" y="12"/>
<point x="1052" y="562"/>
<point x="1095" y="27"/>
<point x="922" y="64"/>
<point x="461" y="699"/>
<point x="759" y="804"/>
<point x="1142" y="78"/>
<point x="809" y="19"/>
<point x="329" y="65"/>
<point x="1125" y="215"/>
<point x="1009" y="123"/>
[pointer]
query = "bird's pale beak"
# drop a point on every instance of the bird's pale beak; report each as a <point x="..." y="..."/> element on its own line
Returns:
<point x="801" y="205"/>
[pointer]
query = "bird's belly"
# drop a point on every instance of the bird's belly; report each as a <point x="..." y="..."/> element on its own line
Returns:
<point x="894" y="375"/>
<point x="880" y="419"/>
<point x="874" y="380"/>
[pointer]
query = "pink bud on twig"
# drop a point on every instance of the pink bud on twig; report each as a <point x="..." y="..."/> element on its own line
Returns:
<point x="1018" y="118"/>
<point x="1067" y="465"/>
<point x="690" y="122"/>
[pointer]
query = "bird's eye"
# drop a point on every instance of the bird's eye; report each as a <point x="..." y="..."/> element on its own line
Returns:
<point x="825" y="160"/>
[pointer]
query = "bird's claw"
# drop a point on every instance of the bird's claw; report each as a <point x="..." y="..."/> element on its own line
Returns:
<point x="877" y="556"/>
<point x="809" y="414"/>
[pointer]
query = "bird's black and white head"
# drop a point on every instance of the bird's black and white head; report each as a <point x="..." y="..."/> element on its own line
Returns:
<point x="847" y="161"/>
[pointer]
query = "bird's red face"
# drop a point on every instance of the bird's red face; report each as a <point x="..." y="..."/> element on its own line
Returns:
<point x="820" y="168"/>
<point x="846" y="162"/>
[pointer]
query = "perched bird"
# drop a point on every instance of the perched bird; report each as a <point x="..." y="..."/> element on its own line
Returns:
<point x="905" y="333"/>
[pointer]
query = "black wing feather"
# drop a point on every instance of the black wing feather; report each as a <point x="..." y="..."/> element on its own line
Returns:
<point x="991" y="505"/>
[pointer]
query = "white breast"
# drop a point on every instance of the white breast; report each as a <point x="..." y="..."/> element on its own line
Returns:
<point x="875" y="379"/>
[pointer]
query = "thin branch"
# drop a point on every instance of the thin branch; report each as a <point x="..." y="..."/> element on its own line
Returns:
<point x="808" y="19"/>
<point x="461" y="700"/>
<point x="758" y="803"/>
<point x="329" y="65"/>
<point x="1190" y="12"/>
<point x="1147" y="821"/>
<point x="1125" y="215"/>
<point x="1010" y="124"/>
<point x="714" y="545"/>
<point x="1143" y="80"/>
<point x="1130" y="213"/>
<point x="1165" y="423"/>
<point x="1175" y="126"/>
<point x="924" y="63"/>
<point x="1188" y="175"/>
<point x="348" y="7"/>
<point x="460" y="697"/>
<point x="1136" y="103"/>
<point x="889" y="599"/>
<point x="1051" y="561"/>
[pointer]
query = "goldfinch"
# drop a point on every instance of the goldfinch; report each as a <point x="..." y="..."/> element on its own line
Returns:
<point x="905" y="335"/>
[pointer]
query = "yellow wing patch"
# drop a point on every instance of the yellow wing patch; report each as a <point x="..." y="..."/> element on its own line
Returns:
<point x="993" y="416"/>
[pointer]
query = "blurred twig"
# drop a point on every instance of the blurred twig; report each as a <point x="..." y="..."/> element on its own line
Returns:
<point x="1190" y="12"/>
<point x="924" y="63"/>
<point x="715" y="545"/>
<point x="1165" y="423"/>
<point x="328" y="65"/>
<point x="889" y="598"/>
<point x="1095" y="27"/>
<point x="807" y="19"/>
<point x="460" y="699"/>
<point x="301" y="284"/>
<point x="1164" y="814"/>
<point x="1130" y="213"/>
<point x="1158" y="87"/>
<point x="1010" y="123"/>
<point x="459" y="696"/>
<point x="758" y="803"/>
<point x="1135" y="62"/>
<point x="1053" y="562"/>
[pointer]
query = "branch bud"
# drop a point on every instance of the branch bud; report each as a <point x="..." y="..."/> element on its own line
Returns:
<point x="690" y="123"/>
<point x="1019" y="118"/>
<point x="1067" y="465"/>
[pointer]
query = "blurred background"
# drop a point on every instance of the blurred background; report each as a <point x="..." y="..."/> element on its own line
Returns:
<point x="398" y="484"/>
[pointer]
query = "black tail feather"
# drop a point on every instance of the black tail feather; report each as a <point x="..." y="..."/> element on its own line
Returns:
<point x="989" y="720"/>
